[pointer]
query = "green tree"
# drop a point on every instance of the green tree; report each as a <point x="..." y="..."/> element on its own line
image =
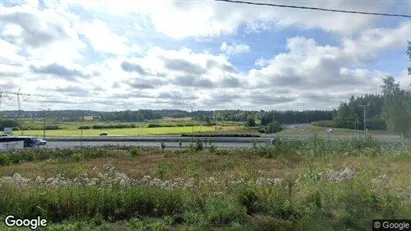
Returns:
<point x="274" y="127"/>
<point x="251" y="122"/>
<point x="395" y="112"/>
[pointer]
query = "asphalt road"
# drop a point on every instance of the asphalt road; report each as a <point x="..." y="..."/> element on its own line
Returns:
<point x="169" y="145"/>
<point x="172" y="142"/>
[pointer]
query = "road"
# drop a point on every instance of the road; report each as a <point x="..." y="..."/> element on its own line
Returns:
<point x="172" y="142"/>
<point x="169" y="145"/>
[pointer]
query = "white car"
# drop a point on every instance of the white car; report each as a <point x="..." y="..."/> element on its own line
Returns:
<point x="41" y="142"/>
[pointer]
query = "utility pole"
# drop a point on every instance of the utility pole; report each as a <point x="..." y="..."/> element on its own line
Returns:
<point x="81" y="134"/>
<point x="356" y="124"/>
<point x="215" y="121"/>
<point x="44" y="121"/>
<point x="192" y="127"/>
<point x="365" y="117"/>
<point x="18" y="95"/>
<point x="295" y="119"/>
<point x="272" y="126"/>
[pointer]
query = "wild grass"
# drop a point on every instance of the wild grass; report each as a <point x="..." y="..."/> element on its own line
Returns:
<point x="292" y="185"/>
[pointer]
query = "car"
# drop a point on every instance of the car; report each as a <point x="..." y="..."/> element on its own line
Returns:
<point x="41" y="142"/>
<point x="103" y="134"/>
<point x="5" y="135"/>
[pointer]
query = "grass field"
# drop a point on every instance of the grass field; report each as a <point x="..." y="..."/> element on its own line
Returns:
<point x="122" y="132"/>
<point x="71" y="129"/>
<point x="310" y="130"/>
<point x="317" y="185"/>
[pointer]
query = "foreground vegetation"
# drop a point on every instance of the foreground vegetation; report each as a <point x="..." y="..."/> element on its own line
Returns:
<point x="293" y="185"/>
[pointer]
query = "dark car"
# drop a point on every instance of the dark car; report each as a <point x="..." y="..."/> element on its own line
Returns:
<point x="103" y="134"/>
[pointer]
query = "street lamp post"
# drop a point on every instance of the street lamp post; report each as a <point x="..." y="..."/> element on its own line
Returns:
<point x="356" y="124"/>
<point x="272" y="126"/>
<point x="192" y="127"/>
<point x="44" y="121"/>
<point x="365" y="119"/>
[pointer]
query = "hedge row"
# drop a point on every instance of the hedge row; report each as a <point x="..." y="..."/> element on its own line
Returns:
<point x="108" y="126"/>
<point x="220" y="135"/>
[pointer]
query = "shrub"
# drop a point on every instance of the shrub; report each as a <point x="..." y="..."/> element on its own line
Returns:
<point x="5" y="123"/>
<point x="199" y="145"/>
<point x="4" y="159"/>
<point x="274" y="127"/>
<point x="161" y="170"/>
<point x="212" y="148"/>
<point x="224" y="210"/>
<point x="154" y="126"/>
<point x="78" y="156"/>
<point x="135" y="151"/>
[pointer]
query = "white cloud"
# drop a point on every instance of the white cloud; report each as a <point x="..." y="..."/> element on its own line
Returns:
<point x="211" y="19"/>
<point x="234" y="48"/>
<point x="53" y="48"/>
<point x="102" y="39"/>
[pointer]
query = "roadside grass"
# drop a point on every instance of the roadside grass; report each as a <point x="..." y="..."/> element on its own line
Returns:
<point x="294" y="185"/>
<point x="120" y="132"/>
<point x="309" y="130"/>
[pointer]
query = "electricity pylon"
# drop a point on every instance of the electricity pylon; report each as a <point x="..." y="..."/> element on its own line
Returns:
<point x="18" y="94"/>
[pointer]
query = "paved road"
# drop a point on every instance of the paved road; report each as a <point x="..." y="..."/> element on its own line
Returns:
<point x="175" y="138"/>
<point x="169" y="145"/>
<point x="172" y="143"/>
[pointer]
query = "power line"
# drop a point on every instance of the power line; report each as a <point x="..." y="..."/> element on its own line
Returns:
<point x="314" y="8"/>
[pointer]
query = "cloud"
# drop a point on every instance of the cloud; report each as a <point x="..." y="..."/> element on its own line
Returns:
<point x="224" y="65"/>
<point x="102" y="39"/>
<point x="9" y="84"/>
<point x="184" y="66"/>
<point x="145" y="83"/>
<point x="175" y="95"/>
<point x="73" y="91"/>
<point x="58" y="71"/>
<point x="262" y="99"/>
<point x="41" y="34"/>
<point x="131" y="67"/>
<point x="193" y="81"/>
<point x="235" y="48"/>
<point x="132" y="55"/>
<point x="308" y="65"/>
<point x="32" y="32"/>
<point x="214" y="19"/>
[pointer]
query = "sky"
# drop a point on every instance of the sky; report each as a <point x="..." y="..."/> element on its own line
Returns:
<point x="112" y="55"/>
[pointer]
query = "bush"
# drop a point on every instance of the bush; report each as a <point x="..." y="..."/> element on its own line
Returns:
<point x="161" y="171"/>
<point x="4" y="159"/>
<point x="324" y="123"/>
<point x="224" y="210"/>
<point x="84" y="203"/>
<point x="251" y="122"/>
<point x="154" y="126"/>
<point x="135" y="151"/>
<point x="212" y="148"/>
<point x="78" y="156"/>
<point x="274" y="127"/>
<point x="199" y="145"/>
<point x="4" y="123"/>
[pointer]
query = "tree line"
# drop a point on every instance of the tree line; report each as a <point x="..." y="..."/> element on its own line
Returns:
<point x="389" y="110"/>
